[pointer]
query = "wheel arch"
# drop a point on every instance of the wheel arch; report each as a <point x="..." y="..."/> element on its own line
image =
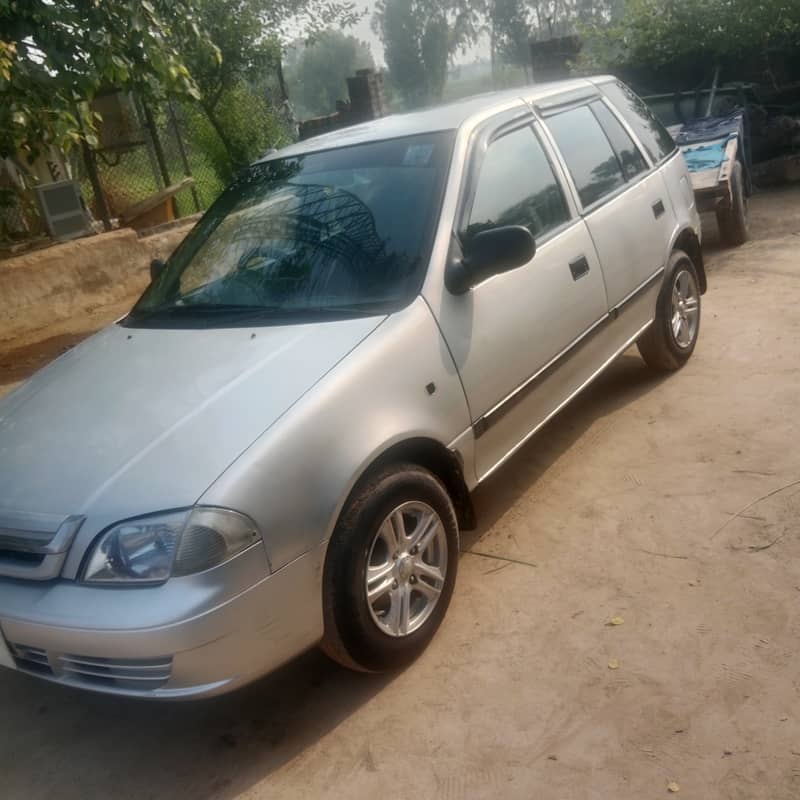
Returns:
<point x="688" y="241"/>
<point x="432" y="455"/>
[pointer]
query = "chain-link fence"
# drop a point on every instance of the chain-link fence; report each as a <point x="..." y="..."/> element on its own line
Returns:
<point x="144" y="152"/>
<point x="152" y="163"/>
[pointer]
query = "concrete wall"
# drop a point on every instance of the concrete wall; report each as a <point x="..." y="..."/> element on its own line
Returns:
<point x="63" y="281"/>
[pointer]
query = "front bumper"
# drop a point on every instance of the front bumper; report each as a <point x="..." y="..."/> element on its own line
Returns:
<point x="190" y="637"/>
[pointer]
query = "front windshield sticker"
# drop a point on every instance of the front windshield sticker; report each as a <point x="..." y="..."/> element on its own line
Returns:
<point x="418" y="155"/>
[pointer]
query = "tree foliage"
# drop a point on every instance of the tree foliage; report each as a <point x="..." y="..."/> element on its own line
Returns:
<point x="655" y="33"/>
<point x="249" y="35"/>
<point x="232" y="77"/>
<point x="244" y="69"/>
<point x="510" y="25"/>
<point x="317" y="72"/>
<point x="420" y="37"/>
<point x="514" y="24"/>
<point x="54" y="57"/>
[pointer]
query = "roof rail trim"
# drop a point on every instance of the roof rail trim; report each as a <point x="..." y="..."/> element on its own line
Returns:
<point x="566" y="98"/>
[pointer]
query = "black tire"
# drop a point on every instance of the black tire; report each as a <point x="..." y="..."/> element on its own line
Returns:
<point x="352" y="636"/>
<point x="733" y="228"/>
<point x="658" y="345"/>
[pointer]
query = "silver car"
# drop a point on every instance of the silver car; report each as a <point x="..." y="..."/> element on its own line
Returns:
<point x="275" y="449"/>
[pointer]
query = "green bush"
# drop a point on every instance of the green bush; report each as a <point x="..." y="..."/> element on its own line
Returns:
<point x="245" y="125"/>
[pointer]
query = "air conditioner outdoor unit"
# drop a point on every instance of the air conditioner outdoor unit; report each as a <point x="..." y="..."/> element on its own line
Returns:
<point x="63" y="211"/>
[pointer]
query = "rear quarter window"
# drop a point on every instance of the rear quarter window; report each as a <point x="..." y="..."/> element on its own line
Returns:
<point x="651" y="133"/>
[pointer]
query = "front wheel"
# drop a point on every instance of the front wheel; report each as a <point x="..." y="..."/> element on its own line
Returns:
<point x="390" y="570"/>
<point x="670" y="341"/>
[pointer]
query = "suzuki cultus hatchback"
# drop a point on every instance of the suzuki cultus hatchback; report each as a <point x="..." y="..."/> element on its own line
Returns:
<point x="276" y="447"/>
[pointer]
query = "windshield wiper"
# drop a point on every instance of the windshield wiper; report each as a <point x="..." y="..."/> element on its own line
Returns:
<point x="203" y="308"/>
<point x="243" y="313"/>
<point x="361" y="309"/>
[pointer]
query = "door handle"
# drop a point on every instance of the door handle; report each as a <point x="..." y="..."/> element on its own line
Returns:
<point x="658" y="209"/>
<point x="579" y="267"/>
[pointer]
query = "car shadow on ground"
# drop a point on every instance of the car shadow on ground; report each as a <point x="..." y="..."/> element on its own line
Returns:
<point x="222" y="746"/>
<point x="129" y="748"/>
<point x="623" y="382"/>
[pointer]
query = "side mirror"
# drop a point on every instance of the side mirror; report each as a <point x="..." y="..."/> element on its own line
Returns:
<point x="156" y="268"/>
<point x="488" y="253"/>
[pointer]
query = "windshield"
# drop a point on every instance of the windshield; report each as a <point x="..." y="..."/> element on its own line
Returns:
<point x="344" y="232"/>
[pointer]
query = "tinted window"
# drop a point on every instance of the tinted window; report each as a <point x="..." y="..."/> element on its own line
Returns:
<point x="592" y="163"/>
<point x="633" y="162"/>
<point x="517" y="187"/>
<point x="345" y="230"/>
<point x="652" y="134"/>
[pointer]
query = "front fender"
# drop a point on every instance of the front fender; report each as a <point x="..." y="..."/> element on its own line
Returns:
<point x="399" y="383"/>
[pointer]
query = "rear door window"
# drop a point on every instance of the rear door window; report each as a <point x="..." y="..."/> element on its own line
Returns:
<point x="632" y="160"/>
<point x="653" y="135"/>
<point x="592" y="162"/>
<point x="517" y="186"/>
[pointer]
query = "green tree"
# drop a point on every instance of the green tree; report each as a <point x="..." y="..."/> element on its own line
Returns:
<point x="245" y="55"/>
<point x="54" y="57"/>
<point x="320" y="68"/>
<point x="514" y="24"/>
<point x="510" y="31"/>
<point x="246" y="64"/>
<point x="654" y="33"/>
<point x="419" y="38"/>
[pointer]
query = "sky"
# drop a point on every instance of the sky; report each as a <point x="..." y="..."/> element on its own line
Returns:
<point x="363" y="31"/>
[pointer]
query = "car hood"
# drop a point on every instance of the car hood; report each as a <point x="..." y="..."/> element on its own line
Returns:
<point x="138" y="420"/>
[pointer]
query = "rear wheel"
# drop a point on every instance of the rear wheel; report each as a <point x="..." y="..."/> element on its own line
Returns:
<point x="670" y="341"/>
<point x="390" y="570"/>
<point x="733" y="229"/>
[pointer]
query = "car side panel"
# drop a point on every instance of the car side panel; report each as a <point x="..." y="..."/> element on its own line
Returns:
<point x="400" y="383"/>
<point x="678" y="184"/>
<point x="507" y="329"/>
<point x="574" y="371"/>
<point x="630" y="232"/>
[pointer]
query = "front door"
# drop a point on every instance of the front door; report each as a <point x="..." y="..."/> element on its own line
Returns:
<point x="509" y="335"/>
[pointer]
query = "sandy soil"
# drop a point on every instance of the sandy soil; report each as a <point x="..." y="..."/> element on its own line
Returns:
<point x="671" y="503"/>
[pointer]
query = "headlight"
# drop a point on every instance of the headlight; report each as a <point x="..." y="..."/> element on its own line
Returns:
<point x="150" y="549"/>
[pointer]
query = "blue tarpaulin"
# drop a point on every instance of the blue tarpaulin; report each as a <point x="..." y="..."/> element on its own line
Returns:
<point x="705" y="156"/>
<point x="707" y="129"/>
<point x="703" y="141"/>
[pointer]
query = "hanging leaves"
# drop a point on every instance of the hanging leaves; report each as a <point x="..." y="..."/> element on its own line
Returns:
<point x="56" y="55"/>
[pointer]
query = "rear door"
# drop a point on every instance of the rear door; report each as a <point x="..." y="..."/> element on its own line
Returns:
<point x="624" y="202"/>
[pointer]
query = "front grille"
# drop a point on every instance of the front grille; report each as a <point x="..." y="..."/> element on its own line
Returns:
<point x="21" y="557"/>
<point x="24" y="541"/>
<point x="138" y="674"/>
<point x="34" y="546"/>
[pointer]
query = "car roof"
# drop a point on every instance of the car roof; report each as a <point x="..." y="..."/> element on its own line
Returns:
<point x="449" y="116"/>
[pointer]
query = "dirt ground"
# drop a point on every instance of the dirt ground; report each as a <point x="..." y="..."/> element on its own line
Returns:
<point x="671" y="503"/>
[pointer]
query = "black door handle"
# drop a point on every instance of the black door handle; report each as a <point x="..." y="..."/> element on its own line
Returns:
<point x="579" y="267"/>
<point x="658" y="208"/>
